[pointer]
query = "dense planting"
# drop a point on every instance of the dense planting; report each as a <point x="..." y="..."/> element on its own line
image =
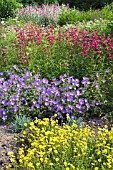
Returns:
<point x="81" y="54"/>
<point x="32" y="96"/>
<point x="45" y="15"/>
<point x="56" y="75"/>
<point x="47" y="146"/>
<point x="29" y="95"/>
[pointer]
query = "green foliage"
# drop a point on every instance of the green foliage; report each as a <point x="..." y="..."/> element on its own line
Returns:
<point x="87" y="4"/>
<point x="39" y="2"/>
<point x="78" y="122"/>
<point x="9" y="46"/>
<point x="72" y="16"/>
<point x="8" y="8"/>
<point x="110" y="28"/>
<point x="20" y="123"/>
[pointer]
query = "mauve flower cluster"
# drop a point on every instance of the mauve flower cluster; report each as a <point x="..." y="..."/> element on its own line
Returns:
<point x="33" y="13"/>
<point x="30" y="95"/>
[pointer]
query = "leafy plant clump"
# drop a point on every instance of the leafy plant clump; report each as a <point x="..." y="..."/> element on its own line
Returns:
<point x="72" y="16"/>
<point x="8" y="8"/>
<point x="20" y="123"/>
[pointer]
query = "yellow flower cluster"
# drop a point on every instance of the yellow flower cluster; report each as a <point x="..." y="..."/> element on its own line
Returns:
<point x="50" y="147"/>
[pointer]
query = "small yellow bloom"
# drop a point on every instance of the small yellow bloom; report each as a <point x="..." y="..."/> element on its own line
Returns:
<point x="99" y="160"/>
<point x="8" y="166"/>
<point x="96" y="168"/>
<point x="104" y="151"/>
<point x="11" y="153"/>
<point x="30" y="164"/>
<point x="65" y="163"/>
<point x="105" y="126"/>
<point x="67" y="168"/>
<point x="12" y="160"/>
<point x="24" y="132"/>
<point x="15" y="138"/>
<point x="55" y="115"/>
<point x="57" y="159"/>
<point x="55" y="151"/>
<point x="38" y="164"/>
<point x="25" y="124"/>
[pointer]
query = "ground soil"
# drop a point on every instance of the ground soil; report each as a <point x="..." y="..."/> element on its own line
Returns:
<point x="8" y="143"/>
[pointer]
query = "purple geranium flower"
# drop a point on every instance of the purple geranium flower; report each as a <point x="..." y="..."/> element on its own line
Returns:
<point x="97" y="85"/>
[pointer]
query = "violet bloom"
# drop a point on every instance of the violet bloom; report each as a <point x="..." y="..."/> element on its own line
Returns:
<point x="15" y="68"/>
<point x="45" y="81"/>
<point x="4" y="102"/>
<point x="97" y="75"/>
<point x="77" y="92"/>
<point x="97" y="85"/>
<point x="81" y="101"/>
<point x="70" y="79"/>
<point x="1" y="80"/>
<point x="87" y="105"/>
<point x="64" y="111"/>
<point x="72" y="117"/>
<point x="103" y="80"/>
<point x="4" y="117"/>
<point x="1" y="73"/>
<point x="78" y="106"/>
<point x="15" y="109"/>
<point x="96" y="103"/>
<point x="71" y="107"/>
<point x="85" y="80"/>
<point x="63" y="100"/>
<point x="76" y="83"/>
<point x="79" y="110"/>
<point x="107" y="71"/>
<point x="93" y="104"/>
<point x="82" y="89"/>
<point x="37" y="106"/>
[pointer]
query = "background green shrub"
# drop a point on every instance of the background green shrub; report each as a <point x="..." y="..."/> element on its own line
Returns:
<point x="39" y="2"/>
<point x="72" y="16"/>
<point x="8" y="8"/>
<point x="86" y="4"/>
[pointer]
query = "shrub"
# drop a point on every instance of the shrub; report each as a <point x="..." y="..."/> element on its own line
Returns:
<point x="72" y="16"/>
<point x="87" y="4"/>
<point x="8" y="8"/>
<point x="39" y="2"/>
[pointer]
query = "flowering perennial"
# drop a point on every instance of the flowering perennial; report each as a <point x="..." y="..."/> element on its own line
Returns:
<point x="29" y="94"/>
<point x="67" y="148"/>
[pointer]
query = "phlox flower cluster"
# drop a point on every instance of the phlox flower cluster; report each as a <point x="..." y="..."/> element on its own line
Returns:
<point x="49" y="147"/>
<point x="29" y="94"/>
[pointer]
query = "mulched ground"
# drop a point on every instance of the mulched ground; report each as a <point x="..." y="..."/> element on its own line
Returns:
<point x="7" y="142"/>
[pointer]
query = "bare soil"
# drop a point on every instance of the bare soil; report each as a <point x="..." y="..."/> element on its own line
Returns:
<point x="7" y="144"/>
